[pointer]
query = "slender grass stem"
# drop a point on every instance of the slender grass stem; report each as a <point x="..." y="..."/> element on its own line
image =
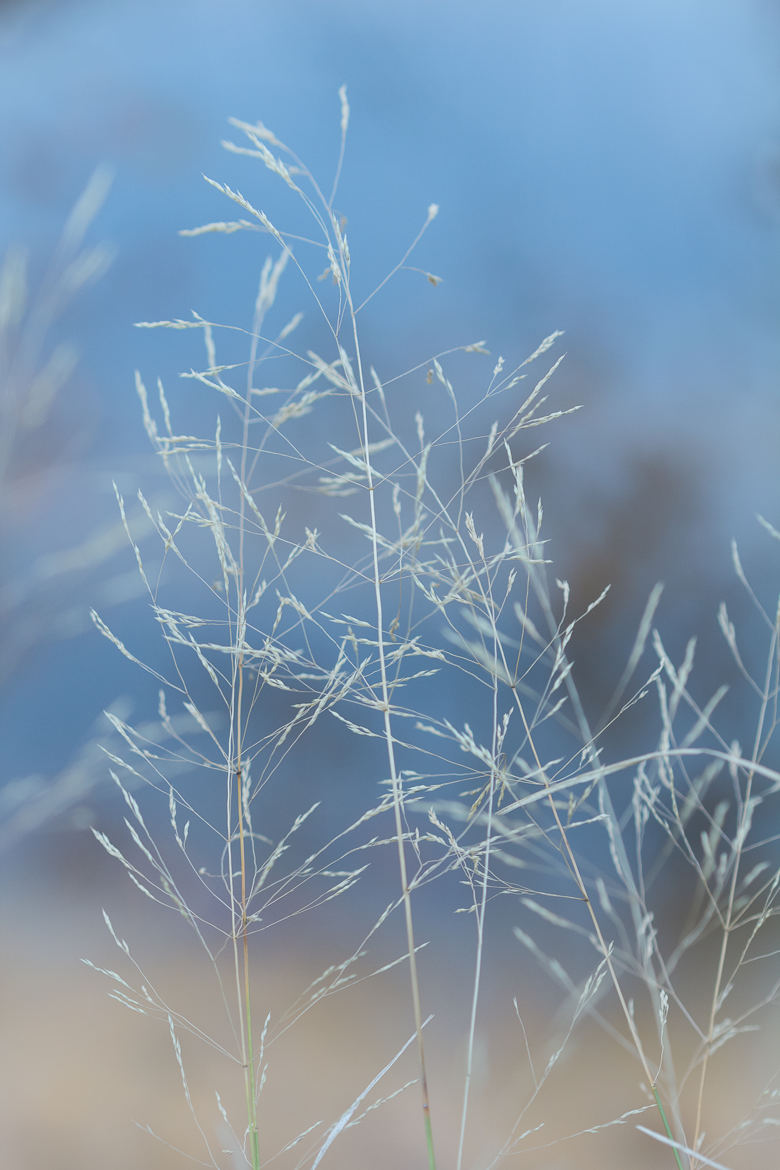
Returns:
<point x="481" y="907"/>
<point x="739" y="841"/>
<point x="395" y="779"/>
<point x="241" y="936"/>
<point x="603" y="946"/>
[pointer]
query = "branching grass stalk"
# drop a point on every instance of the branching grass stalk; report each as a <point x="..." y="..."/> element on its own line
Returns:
<point x="395" y="779"/>
<point x="603" y="946"/>
<point x="570" y="857"/>
<point x="265" y="295"/>
<point x="242" y="932"/>
<point x="481" y="909"/>
<point x="736" y="859"/>
<point x="247" y="1036"/>
<point x="571" y="860"/>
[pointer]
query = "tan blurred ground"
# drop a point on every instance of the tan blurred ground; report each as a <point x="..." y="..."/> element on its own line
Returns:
<point x="78" y="1068"/>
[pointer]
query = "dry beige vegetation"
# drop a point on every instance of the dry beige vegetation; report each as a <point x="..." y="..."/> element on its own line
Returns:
<point x="78" y="1068"/>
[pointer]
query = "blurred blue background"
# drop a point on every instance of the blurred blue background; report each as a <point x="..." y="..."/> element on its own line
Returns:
<point x="606" y="168"/>
<point x="611" y="170"/>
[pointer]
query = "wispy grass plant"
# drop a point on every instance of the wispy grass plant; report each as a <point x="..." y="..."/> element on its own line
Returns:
<point x="37" y="366"/>
<point x="42" y="590"/>
<point x="367" y="654"/>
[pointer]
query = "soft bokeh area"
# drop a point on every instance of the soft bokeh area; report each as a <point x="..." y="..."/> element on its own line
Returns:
<point x="607" y="169"/>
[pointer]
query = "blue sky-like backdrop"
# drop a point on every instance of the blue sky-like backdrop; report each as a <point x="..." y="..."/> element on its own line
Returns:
<point x="610" y="169"/>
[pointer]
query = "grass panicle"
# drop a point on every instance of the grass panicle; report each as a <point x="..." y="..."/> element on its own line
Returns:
<point x="366" y="650"/>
